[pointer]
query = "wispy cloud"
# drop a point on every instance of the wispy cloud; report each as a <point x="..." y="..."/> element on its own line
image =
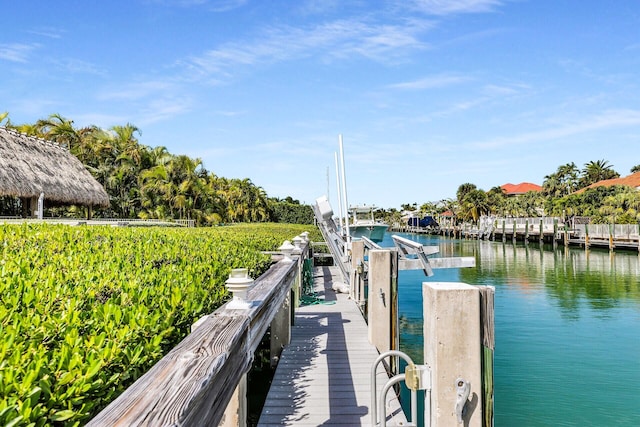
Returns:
<point x="229" y="113"/>
<point x="502" y="90"/>
<point x="448" y="7"/>
<point x="48" y="32"/>
<point x="38" y="106"/>
<point x="606" y="120"/>
<point x="16" y="52"/>
<point x="210" y="5"/>
<point x="101" y="120"/>
<point x="314" y="7"/>
<point x="136" y="91"/>
<point x="75" y="66"/>
<point x="165" y="109"/>
<point x="331" y="40"/>
<point x="432" y="82"/>
<point x="224" y="5"/>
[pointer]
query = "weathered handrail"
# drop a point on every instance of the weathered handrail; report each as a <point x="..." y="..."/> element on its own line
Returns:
<point x="195" y="381"/>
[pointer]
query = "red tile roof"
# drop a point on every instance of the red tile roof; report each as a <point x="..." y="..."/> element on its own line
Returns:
<point x="524" y="187"/>
<point x="632" y="180"/>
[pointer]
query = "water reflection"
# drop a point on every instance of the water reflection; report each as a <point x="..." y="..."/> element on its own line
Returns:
<point x="572" y="276"/>
<point x="567" y="329"/>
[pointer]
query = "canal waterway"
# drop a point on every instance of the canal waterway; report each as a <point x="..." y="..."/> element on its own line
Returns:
<point x="567" y="326"/>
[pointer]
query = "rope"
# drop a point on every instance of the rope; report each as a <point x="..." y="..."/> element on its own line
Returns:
<point x="309" y="296"/>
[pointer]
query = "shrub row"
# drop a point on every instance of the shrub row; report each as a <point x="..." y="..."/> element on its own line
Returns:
<point x="85" y="311"/>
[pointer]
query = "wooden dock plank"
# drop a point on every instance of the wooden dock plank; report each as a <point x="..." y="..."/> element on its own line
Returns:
<point x="323" y="377"/>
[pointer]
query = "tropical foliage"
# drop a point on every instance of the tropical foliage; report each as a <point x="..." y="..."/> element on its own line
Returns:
<point x="564" y="193"/>
<point x="85" y="311"/>
<point x="150" y="182"/>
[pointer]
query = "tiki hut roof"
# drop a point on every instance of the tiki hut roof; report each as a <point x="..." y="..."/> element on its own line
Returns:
<point x="30" y="166"/>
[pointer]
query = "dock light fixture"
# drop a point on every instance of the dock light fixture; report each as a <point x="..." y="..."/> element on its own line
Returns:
<point x="239" y="283"/>
<point x="287" y="249"/>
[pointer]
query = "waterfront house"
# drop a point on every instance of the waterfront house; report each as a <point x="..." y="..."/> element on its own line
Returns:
<point x="519" y="189"/>
<point x="632" y="181"/>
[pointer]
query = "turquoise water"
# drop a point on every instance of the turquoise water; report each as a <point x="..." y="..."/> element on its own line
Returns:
<point x="567" y="325"/>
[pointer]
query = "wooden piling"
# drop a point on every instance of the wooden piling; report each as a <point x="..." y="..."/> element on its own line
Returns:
<point x="611" y="235"/>
<point x="383" y="299"/>
<point x="452" y="348"/>
<point x="541" y="235"/>
<point x="586" y="236"/>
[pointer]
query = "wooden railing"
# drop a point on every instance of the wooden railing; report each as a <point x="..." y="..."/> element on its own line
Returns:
<point x="195" y="381"/>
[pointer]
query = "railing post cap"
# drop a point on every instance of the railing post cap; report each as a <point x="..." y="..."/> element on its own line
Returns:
<point x="238" y="284"/>
<point x="287" y="249"/>
<point x="297" y="244"/>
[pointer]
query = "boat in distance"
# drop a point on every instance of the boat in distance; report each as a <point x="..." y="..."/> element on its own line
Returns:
<point x="363" y="224"/>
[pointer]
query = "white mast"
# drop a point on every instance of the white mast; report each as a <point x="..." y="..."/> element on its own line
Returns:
<point x="335" y="155"/>
<point x="344" y="191"/>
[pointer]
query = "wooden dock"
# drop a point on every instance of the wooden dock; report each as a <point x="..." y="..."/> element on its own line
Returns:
<point x="324" y="375"/>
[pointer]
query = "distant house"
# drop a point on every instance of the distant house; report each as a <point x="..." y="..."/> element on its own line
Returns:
<point x="632" y="180"/>
<point x="32" y="168"/>
<point x="517" y="189"/>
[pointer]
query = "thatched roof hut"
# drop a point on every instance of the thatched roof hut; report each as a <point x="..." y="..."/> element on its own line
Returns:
<point x="31" y="166"/>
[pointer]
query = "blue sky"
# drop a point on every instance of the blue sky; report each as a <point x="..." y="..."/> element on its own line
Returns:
<point x="428" y="94"/>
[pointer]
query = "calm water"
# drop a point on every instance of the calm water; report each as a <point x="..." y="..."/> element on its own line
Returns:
<point x="567" y="329"/>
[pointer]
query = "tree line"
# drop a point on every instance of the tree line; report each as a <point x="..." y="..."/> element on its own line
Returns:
<point x="565" y="193"/>
<point x="152" y="183"/>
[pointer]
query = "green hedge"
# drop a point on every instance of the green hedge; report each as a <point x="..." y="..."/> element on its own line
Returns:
<point x="85" y="311"/>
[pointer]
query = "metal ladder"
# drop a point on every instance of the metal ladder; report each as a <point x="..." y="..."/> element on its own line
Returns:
<point x="416" y="377"/>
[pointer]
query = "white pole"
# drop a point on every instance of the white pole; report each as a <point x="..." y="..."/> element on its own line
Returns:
<point x="41" y="206"/>
<point x="344" y="190"/>
<point x="335" y="155"/>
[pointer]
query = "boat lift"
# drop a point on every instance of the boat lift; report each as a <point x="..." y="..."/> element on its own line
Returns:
<point x="414" y="256"/>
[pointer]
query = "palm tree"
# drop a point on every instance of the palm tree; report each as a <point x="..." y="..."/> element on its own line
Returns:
<point x="58" y="129"/>
<point x="463" y="189"/>
<point x="595" y="171"/>
<point x="474" y="205"/>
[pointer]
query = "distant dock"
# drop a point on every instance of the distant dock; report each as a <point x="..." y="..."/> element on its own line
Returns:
<point x="542" y="229"/>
